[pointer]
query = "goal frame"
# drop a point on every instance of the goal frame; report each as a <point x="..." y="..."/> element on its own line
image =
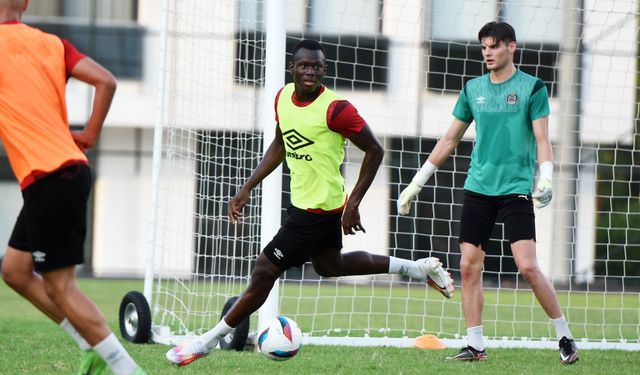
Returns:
<point x="276" y="35"/>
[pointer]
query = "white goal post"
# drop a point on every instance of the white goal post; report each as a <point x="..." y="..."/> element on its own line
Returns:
<point x="402" y="64"/>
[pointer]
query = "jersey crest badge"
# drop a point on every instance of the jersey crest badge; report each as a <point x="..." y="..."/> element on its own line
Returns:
<point x="512" y="98"/>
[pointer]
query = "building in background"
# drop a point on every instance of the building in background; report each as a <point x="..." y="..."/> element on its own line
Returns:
<point x="420" y="60"/>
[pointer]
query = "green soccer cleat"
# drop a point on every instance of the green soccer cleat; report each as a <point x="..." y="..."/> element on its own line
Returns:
<point x="91" y="363"/>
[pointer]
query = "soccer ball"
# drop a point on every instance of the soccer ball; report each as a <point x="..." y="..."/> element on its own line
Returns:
<point x="281" y="339"/>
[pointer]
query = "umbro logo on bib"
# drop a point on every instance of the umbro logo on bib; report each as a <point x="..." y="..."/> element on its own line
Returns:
<point x="295" y="140"/>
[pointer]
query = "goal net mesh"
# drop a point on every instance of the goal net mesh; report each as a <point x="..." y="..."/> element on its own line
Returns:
<point x="402" y="64"/>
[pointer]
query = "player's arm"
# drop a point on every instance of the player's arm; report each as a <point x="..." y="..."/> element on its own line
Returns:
<point x="272" y="158"/>
<point x="366" y="141"/>
<point x="104" y="83"/>
<point x="543" y="194"/>
<point x="444" y="147"/>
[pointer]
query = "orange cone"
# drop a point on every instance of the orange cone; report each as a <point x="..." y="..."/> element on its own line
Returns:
<point x="428" y="342"/>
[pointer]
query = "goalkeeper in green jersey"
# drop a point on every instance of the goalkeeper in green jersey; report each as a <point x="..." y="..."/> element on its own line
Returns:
<point x="510" y="109"/>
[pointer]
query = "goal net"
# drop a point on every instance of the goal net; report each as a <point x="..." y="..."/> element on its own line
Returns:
<point x="402" y="64"/>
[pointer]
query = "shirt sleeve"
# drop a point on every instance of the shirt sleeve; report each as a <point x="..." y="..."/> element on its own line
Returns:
<point x="462" y="110"/>
<point x="539" y="102"/>
<point x="343" y="118"/>
<point x="71" y="56"/>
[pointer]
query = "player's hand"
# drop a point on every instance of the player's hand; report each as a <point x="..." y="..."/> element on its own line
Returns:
<point x="543" y="194"/>
<point x="406" y="196"/>
<point x="83" y="140"/>
<point x="236" y="205"/>
<point x="351" y="220"/>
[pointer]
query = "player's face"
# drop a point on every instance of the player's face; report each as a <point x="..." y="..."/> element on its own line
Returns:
<point x="307" y="69"/>
<point x="497" y="56"/>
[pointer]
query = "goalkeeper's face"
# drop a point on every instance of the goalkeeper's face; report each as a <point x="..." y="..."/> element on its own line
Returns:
<point x="497" y="55"/>
<point x="308" y="69"/>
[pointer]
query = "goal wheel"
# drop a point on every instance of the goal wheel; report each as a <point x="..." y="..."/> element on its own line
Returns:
<point x="237" y="339"/>
<point x="135" y="318"/>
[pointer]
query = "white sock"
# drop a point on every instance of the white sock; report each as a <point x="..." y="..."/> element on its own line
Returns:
<point x="562" y="328"/>
<point x="474" y="338"/>
<point x="217" y="333"/>
<point x="70" y="329"/>
<point x="404" y="267"/>
<point x="112" y="351"/>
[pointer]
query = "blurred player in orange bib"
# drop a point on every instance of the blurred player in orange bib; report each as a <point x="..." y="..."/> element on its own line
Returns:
<point x="49" y="163"/>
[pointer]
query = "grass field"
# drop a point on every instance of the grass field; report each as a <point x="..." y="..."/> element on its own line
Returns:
<point x="30" y="344"/>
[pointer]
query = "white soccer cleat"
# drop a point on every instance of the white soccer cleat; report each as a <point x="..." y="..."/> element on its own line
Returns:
<point x="436" y="276"/>
<point x="187" y="352"/>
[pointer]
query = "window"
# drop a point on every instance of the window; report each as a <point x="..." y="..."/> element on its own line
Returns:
<point x="357" y="55"/>
<point x="455" y="55"/>
<point x="105" y="30"/>
<point x="103" y="10"/>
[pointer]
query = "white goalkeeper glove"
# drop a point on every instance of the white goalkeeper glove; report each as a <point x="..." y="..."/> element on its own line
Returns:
<point x="410" y="192"/>
<point x="543" y="194"/>
<point x="407" y="195"/>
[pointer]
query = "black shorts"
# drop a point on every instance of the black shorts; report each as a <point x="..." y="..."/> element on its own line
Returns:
<point x="52" y="223"/>
<point x="480" y="212"/>
<point x="304" y="235"/>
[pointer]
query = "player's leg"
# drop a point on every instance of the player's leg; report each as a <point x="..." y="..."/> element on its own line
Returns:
<point x="524" y="254"/>
<point x="519" y="222"/>
<point x="290" y="247"/>
<point x="331" y="262"/>
<point x="56" y="211"/>
<point x="478" y="217"/>
<point x="61" y="287"/>
<point x="471" y="266"/>
<point x="18" y="273"/>
<point x="84" y="315"/>
<point x="263" y="276"/>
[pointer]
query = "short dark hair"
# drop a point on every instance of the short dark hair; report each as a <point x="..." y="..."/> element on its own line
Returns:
<point x="309" y="44"/>
<point x="500" y="31"/>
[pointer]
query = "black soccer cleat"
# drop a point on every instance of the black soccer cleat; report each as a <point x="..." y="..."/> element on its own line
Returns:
<point x="469" y="354"/>
<point x="568" y="351"/>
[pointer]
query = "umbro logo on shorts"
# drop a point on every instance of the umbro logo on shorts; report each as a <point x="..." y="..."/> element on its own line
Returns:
<point x="278" y="254"/>
<point x="38" y="256"/>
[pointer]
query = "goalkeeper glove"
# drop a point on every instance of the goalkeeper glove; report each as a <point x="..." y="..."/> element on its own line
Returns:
<point x="407" y="195"/>
<point x="542" y="196"/>
<point x="410" y="192"/>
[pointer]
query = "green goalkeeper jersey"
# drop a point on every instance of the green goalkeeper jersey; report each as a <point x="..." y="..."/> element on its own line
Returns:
<point x="503" y="160"/>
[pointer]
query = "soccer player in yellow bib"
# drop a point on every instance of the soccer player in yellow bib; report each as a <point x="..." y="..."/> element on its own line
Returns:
<point x="313" y="123"/>
<point x="510" y="109"/>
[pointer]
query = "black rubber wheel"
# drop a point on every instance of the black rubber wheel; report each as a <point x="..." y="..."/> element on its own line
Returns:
<point x="135" y="318"/>
<point x="236" y="340"/>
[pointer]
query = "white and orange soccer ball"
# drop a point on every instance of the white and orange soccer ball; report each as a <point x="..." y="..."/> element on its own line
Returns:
<point x="281" y="339"/>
